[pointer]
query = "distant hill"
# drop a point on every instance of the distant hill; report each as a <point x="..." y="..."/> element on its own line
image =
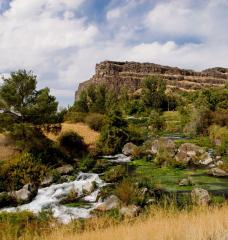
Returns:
<point x="130" y="74"/>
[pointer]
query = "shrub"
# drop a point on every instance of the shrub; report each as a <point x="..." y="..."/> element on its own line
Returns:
<point x="114" y="134"/>
<point x="25" y="169"/>
<point x="156" y="122"/>
<point x="7" y="200"/>
<point x="95" y="121"/>
<point x="87" y="163"/>
<point x="219" y="136"/>
<point x="72" y="143"/>
<point x="75" y="117"/>
<point x="115" y="174"/>
<point x="129" y="193"/>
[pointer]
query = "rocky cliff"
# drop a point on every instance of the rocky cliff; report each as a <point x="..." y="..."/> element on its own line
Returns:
<point x="130" y="74"/>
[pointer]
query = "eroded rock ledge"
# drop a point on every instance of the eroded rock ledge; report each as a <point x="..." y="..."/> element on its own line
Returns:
<point x="130" y="74"/>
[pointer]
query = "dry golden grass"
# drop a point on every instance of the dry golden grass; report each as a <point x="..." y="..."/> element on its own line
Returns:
<point x="7" y="148"/>
<point x="198" y="224"/>
<point x="90" y="136"/>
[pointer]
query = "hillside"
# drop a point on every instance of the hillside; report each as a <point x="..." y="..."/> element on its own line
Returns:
<point x="130" y="74"/>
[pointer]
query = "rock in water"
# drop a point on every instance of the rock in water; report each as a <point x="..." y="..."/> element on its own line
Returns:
<point x="26" y="193"/>
<point x="200" y="196"/>
<point x="129" y="149"/>
<point x="217" y="172"/>
<point x="109" y="203"/>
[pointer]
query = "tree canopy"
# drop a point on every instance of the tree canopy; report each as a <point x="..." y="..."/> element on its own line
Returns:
<point x="21" y="102"/>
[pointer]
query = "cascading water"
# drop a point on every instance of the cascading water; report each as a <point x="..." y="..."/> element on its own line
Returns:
<point x="50" y="197"/>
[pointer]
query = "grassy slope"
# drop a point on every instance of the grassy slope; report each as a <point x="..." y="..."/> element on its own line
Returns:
<point x="90" y="136"/>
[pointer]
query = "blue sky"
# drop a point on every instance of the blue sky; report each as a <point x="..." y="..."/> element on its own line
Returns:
<point x="62" y="40"/>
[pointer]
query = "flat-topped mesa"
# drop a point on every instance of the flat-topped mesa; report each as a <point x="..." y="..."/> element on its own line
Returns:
<point x="117" y="75"/>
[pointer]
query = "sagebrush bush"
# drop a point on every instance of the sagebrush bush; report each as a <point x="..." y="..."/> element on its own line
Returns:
<point x="115" y="174"/>
<point x="129" y="193"/>
<point x="75" y="117"/>
<point x="95" y="121"/>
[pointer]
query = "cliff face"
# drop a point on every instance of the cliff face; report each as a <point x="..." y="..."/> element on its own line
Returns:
<point x="130" y="75"/>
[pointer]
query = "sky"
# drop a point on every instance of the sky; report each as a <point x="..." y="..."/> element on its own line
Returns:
<point x="62" y="40"/>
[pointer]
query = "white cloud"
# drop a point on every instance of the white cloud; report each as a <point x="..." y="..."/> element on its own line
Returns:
<point x="113" y="13"/>
<point x="48" y="37"/>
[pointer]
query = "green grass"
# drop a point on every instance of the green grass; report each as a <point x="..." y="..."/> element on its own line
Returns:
<point x="200" y="141"/>
<point x="78" y="204"/>
<point x="173" y="121"/>
<point x="169" y="177"/>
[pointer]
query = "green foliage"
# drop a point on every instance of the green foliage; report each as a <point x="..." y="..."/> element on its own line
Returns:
<point x="156" y="121"/>
<point x="153" y="93"/>
<point x="72" y="143"/>
<point x="115" y="174"/>
<point x="95" y="98"/>
<point x="114" y="134"/>
<point x="25" y="169"/>
<point x="23" y="103"/>
<point x="219" y="136"/>
<point x="95" y="121"/>
<point x="87" y="163"/>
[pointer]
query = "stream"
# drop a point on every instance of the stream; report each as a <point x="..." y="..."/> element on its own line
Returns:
<point x="50" y="197"/>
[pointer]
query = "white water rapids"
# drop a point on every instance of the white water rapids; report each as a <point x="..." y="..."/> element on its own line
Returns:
<point x="118" y="158"/>
<point x="49" y="198"/>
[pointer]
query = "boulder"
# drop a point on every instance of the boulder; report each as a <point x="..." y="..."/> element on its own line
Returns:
<point x="47" y="181"/>
<point x="200" y="196"/>
<point x="129" y="149"/>
<point x="89" y="187"/>
<point x="65" y="169"/>
<point x="130" y="211"/>
<point x="25" y="194"/>
<point x="108" y="204"/>
<point x="205" y="159"/>
<point x="189" y="152"/>
<point x="163" y="144"/>
<point x="217" y="172"/>
<point x="219" y="163"/>
<point x="186" y="182"/>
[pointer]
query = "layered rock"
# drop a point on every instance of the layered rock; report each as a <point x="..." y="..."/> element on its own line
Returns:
<point x="130" y="74"/>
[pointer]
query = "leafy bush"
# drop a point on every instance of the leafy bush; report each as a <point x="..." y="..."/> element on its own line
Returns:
<point x="95" y="121"/>
<point x="115" y="174"/>
<point x="72" y="143"/>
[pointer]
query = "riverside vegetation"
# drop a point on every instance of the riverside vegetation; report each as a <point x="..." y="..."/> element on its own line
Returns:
<point x="157" y="167"/>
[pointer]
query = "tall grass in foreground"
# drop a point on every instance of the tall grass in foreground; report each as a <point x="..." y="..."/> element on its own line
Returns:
<point x="209" y="223"/>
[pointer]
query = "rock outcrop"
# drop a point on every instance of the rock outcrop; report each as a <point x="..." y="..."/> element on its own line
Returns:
<point x="130" y="74"/>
